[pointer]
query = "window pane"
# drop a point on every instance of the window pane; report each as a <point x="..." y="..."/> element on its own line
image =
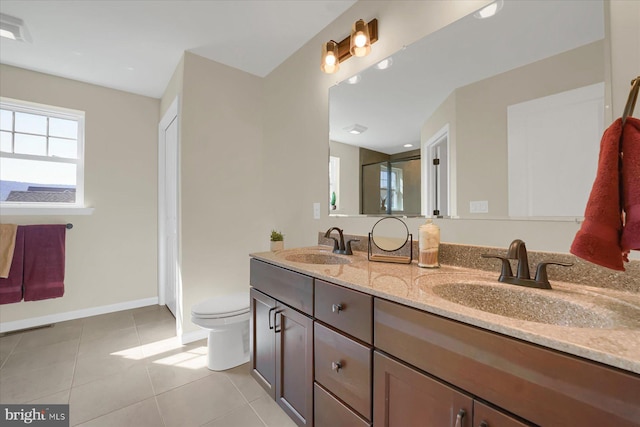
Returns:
<point x="29" y="144"/>
<point x="62" y="127"/>
<point x="5" y="142"/>
<point x="21" y="179"/>
<point x="6" y="120"/>
<point x="67" y="148"/>
<point x="31" y="123"/>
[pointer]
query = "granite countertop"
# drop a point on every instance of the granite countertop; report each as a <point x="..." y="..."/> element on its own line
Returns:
<point x="598" y="324"/>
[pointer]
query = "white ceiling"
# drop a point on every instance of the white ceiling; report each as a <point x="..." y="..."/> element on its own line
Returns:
<point x="135" y="45"/>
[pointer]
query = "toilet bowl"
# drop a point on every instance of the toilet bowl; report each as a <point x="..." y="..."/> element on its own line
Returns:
<point x="227" y="319"/>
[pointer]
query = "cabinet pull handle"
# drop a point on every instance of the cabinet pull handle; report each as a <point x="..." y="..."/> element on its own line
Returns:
<point x="336" y="366"/>
<point x="483" y="423"/>
<point x="336" y="308"/>
<point x="274" y="317"/>
<point x="459" y="418"/>
<point x="275" y="323"/>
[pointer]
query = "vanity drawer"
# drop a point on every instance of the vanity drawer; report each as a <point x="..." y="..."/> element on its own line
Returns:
<point x="343" y="366"/>
<point x="293" y="289"/>
<point x="345" y="309"/>
<point x="330" y="412"/>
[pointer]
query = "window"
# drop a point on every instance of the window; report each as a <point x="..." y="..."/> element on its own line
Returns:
<point x="41" y="155"/>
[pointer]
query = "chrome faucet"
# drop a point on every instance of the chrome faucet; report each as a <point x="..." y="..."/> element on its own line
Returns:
<point x="339" y="247"/>
<point x="518" y="251"/>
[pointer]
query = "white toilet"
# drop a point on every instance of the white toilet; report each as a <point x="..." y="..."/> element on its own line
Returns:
<point x="227" y="319"/>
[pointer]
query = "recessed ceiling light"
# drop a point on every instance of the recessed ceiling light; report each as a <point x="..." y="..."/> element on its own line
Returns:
<point x="489" y="10"/>
<point x="408" y="145"/>
<point x="13" y="28"/>
<point x="355" y="129"/>
<point x="354" y="79"/>
<point x="384" y="64"/>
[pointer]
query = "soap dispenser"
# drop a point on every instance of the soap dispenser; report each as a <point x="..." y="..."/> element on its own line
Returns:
<point x="429" y="244"/>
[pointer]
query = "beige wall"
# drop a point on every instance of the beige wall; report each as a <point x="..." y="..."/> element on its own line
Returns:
<point x="223" y="198"/>
<point x="481" y="131"/>
<point x="111" y="255"/>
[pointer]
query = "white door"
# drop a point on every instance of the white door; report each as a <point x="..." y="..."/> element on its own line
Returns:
<point x="168" y="209"/>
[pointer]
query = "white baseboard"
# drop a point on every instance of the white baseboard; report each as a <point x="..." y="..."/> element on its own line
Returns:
<point x="193" y="336"/>
<point x="76" y="314"/>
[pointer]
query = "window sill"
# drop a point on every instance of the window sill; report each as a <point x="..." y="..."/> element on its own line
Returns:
<point x="44" y="210"/>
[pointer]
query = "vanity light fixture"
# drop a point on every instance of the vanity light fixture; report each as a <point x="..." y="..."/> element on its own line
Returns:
<point x="13" y="28"/>
<point x="329" y="63"/>
<point x="356" y="44"/>
<point x="360" y="42"/>
<point x="489" y="10"/>
<point x="355" y="129"/>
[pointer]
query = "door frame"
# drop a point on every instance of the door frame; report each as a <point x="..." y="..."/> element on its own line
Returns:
<point x="170" y="115"/>
<point x="426" y="154"/>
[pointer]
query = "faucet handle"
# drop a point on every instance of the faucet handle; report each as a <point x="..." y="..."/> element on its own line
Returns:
<point x="348" y="250"/>
<point x="506" y="266"/>
<point x="541" y="271"/>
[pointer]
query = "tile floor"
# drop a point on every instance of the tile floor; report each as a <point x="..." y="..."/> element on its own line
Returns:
<point x="128" y="369"/>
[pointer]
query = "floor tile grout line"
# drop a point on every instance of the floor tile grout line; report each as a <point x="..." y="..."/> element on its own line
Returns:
<point x="75" y="367"/>
<point x="248" y="402"/>
<point x="13" y="350"/>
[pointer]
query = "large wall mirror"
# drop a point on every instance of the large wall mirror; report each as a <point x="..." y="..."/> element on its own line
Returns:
<point x="486" y="118"/>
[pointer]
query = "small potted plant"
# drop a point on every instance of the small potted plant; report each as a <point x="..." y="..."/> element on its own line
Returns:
<point x="277" y="240"/>
<point x="333" y="201"/>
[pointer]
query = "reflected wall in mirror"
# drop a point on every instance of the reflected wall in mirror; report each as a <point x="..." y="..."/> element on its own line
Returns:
<point x="521" y="96"/>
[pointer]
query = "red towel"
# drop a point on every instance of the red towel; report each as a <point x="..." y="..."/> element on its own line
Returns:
<point x="44" y="247"/>
<point x="631" y="184"/>
<point x="11" y="287"/>
<point x="598" y="240"/>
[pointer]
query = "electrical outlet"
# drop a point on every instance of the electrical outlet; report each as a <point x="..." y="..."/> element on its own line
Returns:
<point x="479" y="206"/>
<point x="316" y="211"/>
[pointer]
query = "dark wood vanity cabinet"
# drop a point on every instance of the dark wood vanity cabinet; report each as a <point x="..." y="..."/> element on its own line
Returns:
<point x="384" y="364"/>
<point x="281" y="344"/>
<point x="542" y="386"/>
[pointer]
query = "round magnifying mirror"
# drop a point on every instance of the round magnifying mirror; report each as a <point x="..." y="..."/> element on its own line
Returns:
<point x="390" y="234"/>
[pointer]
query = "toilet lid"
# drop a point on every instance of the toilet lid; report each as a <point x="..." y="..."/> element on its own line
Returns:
<point x="222" y="306"/>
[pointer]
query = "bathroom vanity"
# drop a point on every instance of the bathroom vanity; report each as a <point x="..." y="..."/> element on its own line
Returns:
<point x="340" y="341"/>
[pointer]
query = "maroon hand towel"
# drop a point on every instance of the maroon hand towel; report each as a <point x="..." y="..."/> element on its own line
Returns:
<point x="11" y="287"/>
<point x="44" y="247"/>
<point x="631" y="184"/>
<point x="598" y="240"/>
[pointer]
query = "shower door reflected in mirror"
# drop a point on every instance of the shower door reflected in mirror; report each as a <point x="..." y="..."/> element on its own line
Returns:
<point x="391" y="187"/>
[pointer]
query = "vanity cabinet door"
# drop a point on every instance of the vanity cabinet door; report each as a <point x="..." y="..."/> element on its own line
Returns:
<point x="262" y="343"/>
<point x="294" y="364"/>
<point x="405" y="397"/>
<point x="484" y="416"/>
